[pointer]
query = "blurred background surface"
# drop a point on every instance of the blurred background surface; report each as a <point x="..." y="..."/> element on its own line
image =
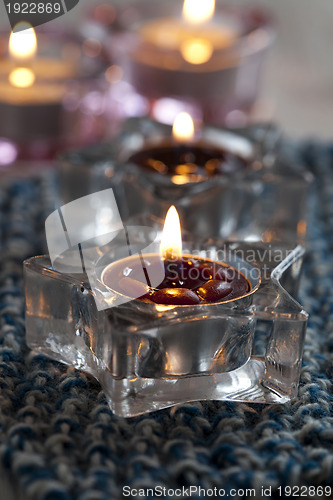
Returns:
<point x="297" y="86"/>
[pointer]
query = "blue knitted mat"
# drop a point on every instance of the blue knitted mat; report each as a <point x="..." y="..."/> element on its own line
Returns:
<point x="60" y="441"/>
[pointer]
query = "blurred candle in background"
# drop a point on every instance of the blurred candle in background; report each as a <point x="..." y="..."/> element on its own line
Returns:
<point x="195" y="35"/>
<point x="46" y="84"/>
<point x="191" y="56"/>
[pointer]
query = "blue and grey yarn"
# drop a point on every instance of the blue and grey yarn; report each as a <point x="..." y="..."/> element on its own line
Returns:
<point x="60" y="441"/>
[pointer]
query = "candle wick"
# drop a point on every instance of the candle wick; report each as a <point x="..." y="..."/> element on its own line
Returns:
<point x="145" y="270"/>
<point x="141" y="258"/>
<point x="81" y="257"/>
<point x="128" y="240"/>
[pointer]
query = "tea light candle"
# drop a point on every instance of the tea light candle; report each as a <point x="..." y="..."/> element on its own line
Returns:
<point x="22" y="52"/>
<point x="195" y="36"/>
<point x="185" y="159"/>
<point x="189" y="280"/>
<point x="31" y="90"/>
<point x="209" y="58"/>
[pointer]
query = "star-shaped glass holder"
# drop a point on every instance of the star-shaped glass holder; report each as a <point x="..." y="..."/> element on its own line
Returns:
<point x="149" y="356"/>
<point x="265" y="201"/>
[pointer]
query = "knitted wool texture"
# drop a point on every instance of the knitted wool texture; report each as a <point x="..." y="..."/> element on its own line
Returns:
<point x="60" y="441"/>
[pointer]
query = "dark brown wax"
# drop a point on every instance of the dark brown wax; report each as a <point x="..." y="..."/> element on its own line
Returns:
<point x="188" y="162"/>
<point x="187" y="281"/>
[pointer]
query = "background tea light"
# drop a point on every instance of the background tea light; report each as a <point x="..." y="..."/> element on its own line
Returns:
<point x="188" y="166"/>
<point x="209" y="60"/>
<point x="184" y="158"/>
<point x="42" y="94"/>
<point x="194" y="35"/>
<point x="31" y="90"/>
<point x="252" y="200"/>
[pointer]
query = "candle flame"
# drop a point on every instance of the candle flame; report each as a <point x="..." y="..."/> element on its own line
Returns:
<point x="22" y="47"/>
<point x="198" y="11"/>
<point x="23" y="44"/>
<point x="183" y="127"/>
<point x="171" y="242"/>
<point x="196" y="50"/>
<point x="22" y="77"/>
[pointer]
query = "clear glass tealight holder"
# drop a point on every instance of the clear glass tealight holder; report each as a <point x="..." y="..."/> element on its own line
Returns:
<point x="264" y="201"/>
<point x="149" y="356"/>
<point x="170" y="61"/>
<point x="65" y="103"/>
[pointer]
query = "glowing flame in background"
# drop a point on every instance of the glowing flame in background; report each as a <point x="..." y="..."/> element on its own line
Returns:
<point x="198" y="11"/>
<point x="22" y="48"/>
<point x="197" y="50"/>
<point x="23" y="44"/>
<point x="183" y="127"/>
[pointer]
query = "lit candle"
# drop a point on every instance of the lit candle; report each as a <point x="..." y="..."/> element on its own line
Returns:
<point x="31" y="79"/>
<point x="209" y="58"/>
<point x="35" y="75"/>
<point x="196" y="36"/>
<point x="31" y="92"/>
<point x="188" y="279"/>
<point x="185" y="159"/>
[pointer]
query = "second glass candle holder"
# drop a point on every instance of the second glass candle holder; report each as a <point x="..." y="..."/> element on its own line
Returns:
<point x="184" y="54"/>
<point x="51" y="97"/>
<point x="224" y="184"/>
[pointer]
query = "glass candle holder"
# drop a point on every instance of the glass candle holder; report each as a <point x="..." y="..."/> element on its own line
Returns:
<point x="171" y="59"/>
<point x="52" y="100"/>
<point x="150" y="356"/>
<point x="257" y="197"/>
